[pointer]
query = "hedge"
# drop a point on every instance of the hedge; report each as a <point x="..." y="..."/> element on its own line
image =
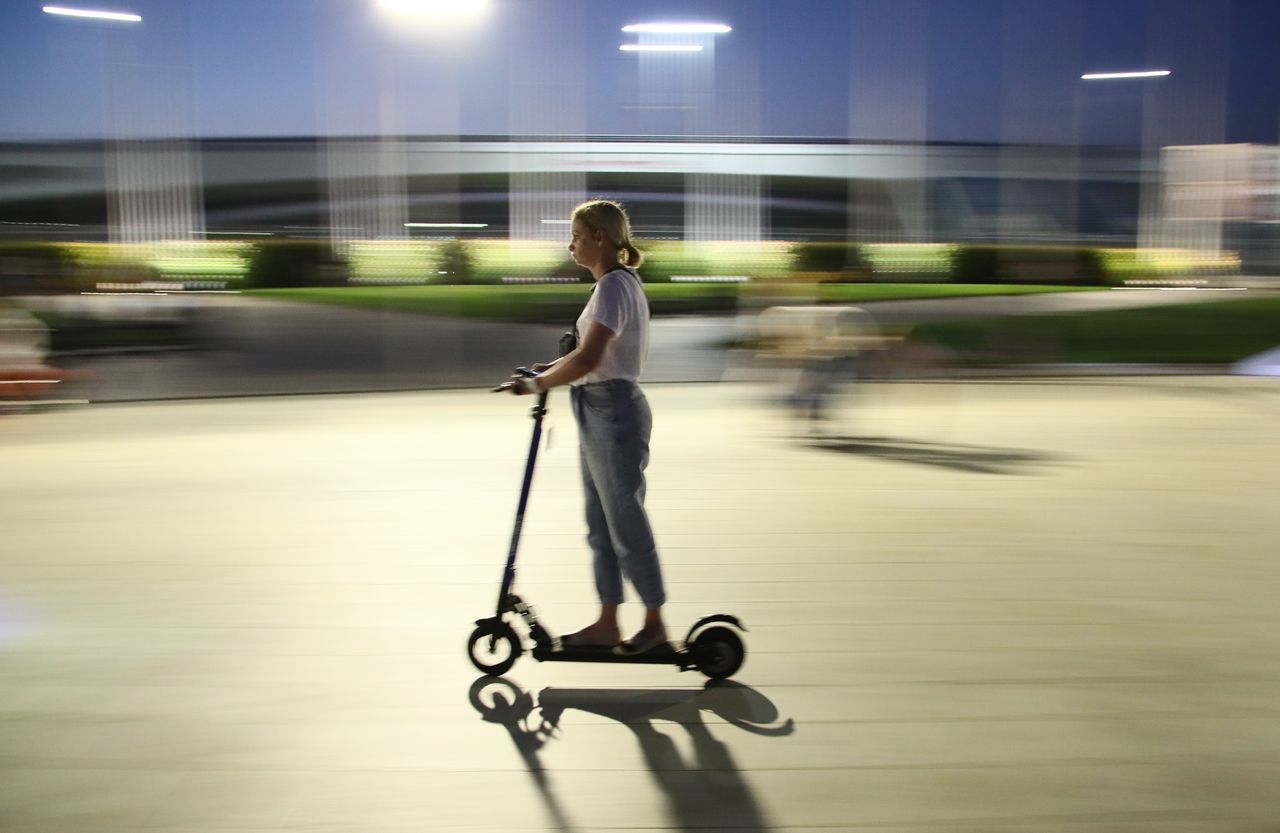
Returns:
<point x="1028" y="264"/>
<point x="281" y="264"/>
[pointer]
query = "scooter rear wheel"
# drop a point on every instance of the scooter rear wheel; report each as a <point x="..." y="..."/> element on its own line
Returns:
<point x="719" y="652"/>
<point x="493" y="648"/>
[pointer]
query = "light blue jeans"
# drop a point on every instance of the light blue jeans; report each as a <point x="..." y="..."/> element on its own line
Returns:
<point x="614" y="424"/>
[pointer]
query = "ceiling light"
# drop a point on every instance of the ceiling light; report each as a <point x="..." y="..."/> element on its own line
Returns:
<point x="661" y="47"/>
<point x="1108" y="76"/>
<point x="96" y="14"/>
<point x="679" y="28"/>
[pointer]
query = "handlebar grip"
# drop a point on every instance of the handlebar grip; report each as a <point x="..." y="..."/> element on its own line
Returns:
<point x="526" y="372"/>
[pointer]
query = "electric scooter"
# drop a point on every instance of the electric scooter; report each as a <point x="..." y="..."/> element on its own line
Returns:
<point x="712" y="646"/>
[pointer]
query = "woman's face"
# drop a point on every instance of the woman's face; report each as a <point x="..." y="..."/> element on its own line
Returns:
<point x="585" y="246"/>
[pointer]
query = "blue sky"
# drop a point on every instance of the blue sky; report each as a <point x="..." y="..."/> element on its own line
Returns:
<point x="903" y="70"/>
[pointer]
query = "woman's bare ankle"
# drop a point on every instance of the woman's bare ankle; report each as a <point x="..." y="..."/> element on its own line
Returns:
<point x="653" y="622"/>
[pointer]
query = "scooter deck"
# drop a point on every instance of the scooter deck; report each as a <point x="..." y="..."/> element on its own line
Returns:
<point x="664" y="655"/>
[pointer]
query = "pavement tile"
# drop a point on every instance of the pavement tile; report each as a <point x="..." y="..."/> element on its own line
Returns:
<point x="983" y="607"/>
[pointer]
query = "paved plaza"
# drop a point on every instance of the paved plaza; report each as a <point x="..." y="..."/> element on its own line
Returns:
<point x="972" y="607"/>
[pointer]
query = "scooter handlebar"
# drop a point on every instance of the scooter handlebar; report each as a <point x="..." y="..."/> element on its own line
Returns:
<point x="519" y="371"/>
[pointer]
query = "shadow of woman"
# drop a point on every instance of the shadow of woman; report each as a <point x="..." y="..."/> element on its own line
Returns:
<point x="708" y="791"/>
<point x="971" y="458"/>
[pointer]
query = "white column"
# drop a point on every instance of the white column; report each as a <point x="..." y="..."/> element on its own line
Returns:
<point x="1188" y="107"/>
<point x="1201" y="188"/>
<point x="1040" y="91"/>
<point x="548" y="99"/>
<point x="541" y="202"/>
<point x="888" y="99"/>
<point x="723" y="207"/>
<point x="365" y="191"/>
<point x="154" y="182"/>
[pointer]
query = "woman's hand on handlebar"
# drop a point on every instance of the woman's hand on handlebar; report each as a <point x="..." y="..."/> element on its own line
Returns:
<point x="521" y="384"/>
<point x="524" y="385"/>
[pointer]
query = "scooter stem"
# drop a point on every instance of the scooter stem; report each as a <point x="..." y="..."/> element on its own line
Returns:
<point x="538" y="411"/>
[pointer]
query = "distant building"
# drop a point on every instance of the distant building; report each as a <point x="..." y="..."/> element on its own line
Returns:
<point x="1207" y="197"/>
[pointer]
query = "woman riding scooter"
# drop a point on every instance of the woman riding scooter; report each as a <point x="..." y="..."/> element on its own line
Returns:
<point x="614" y="426"/>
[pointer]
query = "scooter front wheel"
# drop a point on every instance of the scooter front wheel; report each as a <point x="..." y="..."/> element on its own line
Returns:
<point x="493" y="647"/>
<point x="500" y="700"/>
<point x="718" y="652"/>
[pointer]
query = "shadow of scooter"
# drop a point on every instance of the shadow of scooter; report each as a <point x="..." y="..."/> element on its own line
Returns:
<point x="708" y="791"/>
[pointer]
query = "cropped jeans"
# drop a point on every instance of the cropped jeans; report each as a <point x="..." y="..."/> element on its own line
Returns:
<point x="614" y="424"/>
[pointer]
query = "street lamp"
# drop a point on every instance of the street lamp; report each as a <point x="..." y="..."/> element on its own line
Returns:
<point x="661" y="47"/>
<point x="95" y="14"/>
<point x="368" y="184"/>
<point x="1115" y="76"/>
<point x="717" y="206"/>
<point x="154" y="192"/>
<point x="679" y="28"/>
<point x="1148" y="195"/>
<point x="670" y="29"/>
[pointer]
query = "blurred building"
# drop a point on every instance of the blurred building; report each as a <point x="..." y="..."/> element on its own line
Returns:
<point x="1208" y="198"/>
<point x="1222" y="197"/>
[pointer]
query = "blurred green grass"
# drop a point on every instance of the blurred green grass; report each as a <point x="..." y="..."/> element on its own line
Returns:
<point x="1201" y="333"/>
<point x="558" y="303"/>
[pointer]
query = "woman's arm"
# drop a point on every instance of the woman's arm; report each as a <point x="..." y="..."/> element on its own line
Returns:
<point x="584" y="359"/>
<point x="543" y="367"/>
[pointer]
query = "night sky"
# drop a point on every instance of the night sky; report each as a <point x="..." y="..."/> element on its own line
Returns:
<point x="900" y="70"/>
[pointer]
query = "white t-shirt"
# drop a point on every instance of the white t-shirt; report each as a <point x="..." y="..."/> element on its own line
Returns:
<point x="618" y="302"/>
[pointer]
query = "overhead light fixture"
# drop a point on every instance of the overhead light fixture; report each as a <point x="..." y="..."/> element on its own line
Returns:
<point x="446" y="225"/>
<point x="1109" y="76"/>
<point x="96" y="14"/>
<point x="679" y="28"/>
<point x="661" y="47"/>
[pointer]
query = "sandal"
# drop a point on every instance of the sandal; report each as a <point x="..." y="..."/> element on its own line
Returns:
<point x="640" y="644"/>
<point x="577" y="640"/>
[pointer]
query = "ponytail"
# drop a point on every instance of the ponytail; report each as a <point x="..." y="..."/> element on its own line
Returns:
<point x="611" y="218"/>
<point x="632" y="256"/>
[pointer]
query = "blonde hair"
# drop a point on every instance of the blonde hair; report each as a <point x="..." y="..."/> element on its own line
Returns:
<point x="610" y="219"/>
